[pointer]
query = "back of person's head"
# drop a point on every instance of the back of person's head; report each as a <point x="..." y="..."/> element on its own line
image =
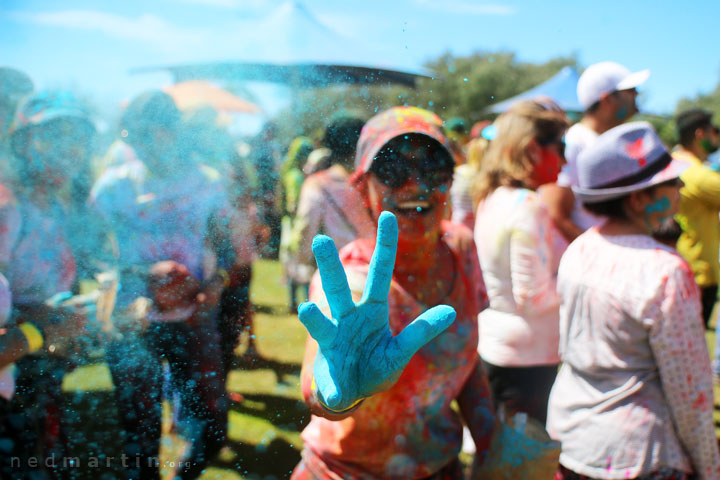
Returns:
<point x="341" y="136"/>
<point x="689" y="121"/>
<point x="146" y="113"/>
<point x="456" y="130"/>
<point x="506" y="162"/>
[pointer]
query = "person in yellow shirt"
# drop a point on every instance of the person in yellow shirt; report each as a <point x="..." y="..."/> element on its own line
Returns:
<point x="700" y="203"/>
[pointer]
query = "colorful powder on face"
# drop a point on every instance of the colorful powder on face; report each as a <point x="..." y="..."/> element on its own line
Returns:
<point x="658" y="206"/>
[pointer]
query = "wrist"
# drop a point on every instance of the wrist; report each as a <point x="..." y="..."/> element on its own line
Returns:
<point x="333" y="411"/>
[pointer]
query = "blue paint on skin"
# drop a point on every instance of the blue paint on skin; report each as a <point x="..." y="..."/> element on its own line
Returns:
<point x="358" y="355"/>
<point x="622" y="114"/>
<point x="658" y="206"/>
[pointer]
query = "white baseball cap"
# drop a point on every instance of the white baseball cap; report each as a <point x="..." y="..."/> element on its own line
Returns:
<point x="603" y="78"/>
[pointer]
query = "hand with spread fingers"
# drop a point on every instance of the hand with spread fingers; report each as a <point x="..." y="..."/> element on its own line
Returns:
<point x="358" y="356"/>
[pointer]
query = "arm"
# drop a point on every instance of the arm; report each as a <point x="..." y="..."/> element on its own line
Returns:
<point x="678" y="343"/>
<point x="560" y="202"/>
<point x="476" y="408"/>
<point x="533" y="267"/>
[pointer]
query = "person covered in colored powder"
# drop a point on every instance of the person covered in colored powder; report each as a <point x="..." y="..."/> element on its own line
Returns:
<point x="519" y="251"/>
<point x="50" y="138"/>
<point x="634" y="397"/>
<point x="381" y="410"/>
<point x="167" y="214"/>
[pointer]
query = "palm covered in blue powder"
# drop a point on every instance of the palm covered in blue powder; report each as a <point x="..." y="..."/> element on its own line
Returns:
<point x="358" y="356"/>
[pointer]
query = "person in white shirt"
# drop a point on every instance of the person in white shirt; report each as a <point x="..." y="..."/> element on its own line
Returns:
<point x="519" y="251"/>
<point x="607" y="91"/>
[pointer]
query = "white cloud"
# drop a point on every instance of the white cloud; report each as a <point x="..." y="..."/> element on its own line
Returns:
<point x="149" y="29"/>
<point x="467" y="8"/>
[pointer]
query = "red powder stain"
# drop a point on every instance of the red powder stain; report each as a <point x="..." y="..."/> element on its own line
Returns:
<point x="635" y="150"/>
<point x="700" y="401"/>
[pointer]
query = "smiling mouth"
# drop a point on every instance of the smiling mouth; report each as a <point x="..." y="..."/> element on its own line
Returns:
<point x="414" y="207"/>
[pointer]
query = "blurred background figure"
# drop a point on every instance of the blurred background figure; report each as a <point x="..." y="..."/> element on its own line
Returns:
<point x="14" y="85"/>
<point x="519" y="251"/>
<point x="265" y="159"/>
<point x="170" y="217"/>
<point x="293" y="178"/>
<point x="458" y="134"/>
<point x="462" y="191"/>
<point x="700" y="203"/>
<point x="328" y="203"/>
<point x="608" y="93"/>
<point x="51" y="139"/>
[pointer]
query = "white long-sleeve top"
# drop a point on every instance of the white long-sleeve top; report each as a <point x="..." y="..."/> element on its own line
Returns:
<point x="519" y="250"/>
<point x="635" y="390"/>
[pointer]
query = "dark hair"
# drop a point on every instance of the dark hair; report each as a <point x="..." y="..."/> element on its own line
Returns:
<point x="614" y="208"/>
<point x="149" y="110"/>
<point x="342" y="134"/>
<point x="689" y="121"/>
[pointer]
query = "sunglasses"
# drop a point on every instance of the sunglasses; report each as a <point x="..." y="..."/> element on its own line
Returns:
<point x="431" y="165"/>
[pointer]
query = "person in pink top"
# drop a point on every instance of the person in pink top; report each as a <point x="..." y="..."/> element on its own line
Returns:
<point x="328" y="204"/>
<point x="381" y="410"/>
<point x="634" y="396"/>
<point x="519" y="251"/>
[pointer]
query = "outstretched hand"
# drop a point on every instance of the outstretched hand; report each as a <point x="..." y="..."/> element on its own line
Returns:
<point x="358" y="355"/>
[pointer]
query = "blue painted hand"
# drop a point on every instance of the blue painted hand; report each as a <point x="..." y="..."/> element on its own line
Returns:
<point x="358" y="355"/>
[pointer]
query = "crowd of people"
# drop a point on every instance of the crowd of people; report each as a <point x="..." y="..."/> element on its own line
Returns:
<point x="528" y="266"/>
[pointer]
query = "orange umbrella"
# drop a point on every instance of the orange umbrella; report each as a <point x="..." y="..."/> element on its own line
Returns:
<point x="199" y="93"/>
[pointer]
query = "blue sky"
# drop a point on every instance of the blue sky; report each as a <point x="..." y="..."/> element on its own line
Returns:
<point x="90" y="46"/>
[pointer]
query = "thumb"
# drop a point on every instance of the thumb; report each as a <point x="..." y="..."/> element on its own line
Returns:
<point x="423" y="329"/>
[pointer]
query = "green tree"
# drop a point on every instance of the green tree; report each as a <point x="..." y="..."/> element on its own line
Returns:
<point x="466" y="86"/>
<point x="458" y="87"/>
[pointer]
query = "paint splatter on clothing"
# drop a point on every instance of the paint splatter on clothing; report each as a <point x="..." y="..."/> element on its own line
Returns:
<point x="34" y="250"/>
<point x="635" y="391"/>
<point x="160" y="218"/>
<point x="409" y="431"/>
<point x="519" y="250"/>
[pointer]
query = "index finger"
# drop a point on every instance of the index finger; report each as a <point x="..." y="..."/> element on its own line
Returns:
<point x="332" y="274"/>
<point x="383" y="259"/>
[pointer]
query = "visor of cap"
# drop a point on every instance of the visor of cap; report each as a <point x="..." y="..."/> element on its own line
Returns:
<point x="633" y="80"/>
